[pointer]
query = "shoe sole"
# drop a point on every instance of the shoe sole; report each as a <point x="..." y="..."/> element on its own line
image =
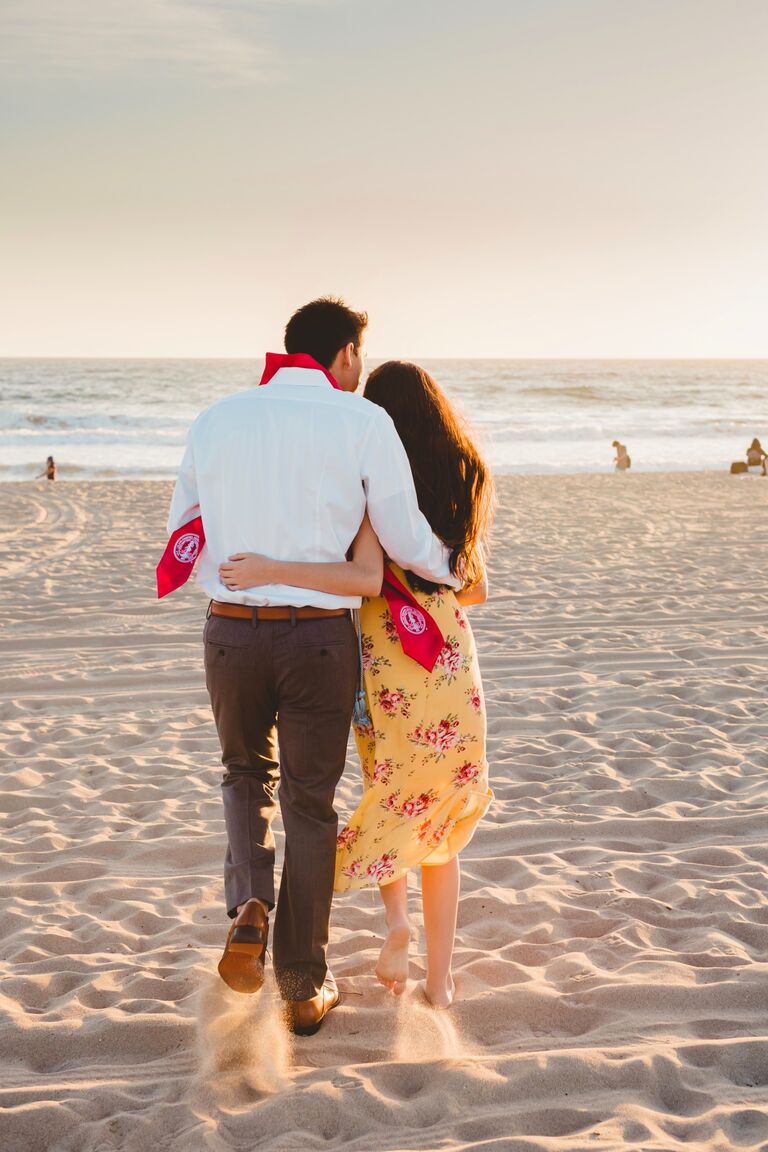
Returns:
<point x="242" y="967"/>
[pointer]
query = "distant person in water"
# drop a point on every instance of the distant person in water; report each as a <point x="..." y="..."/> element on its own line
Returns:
<point x="622" y="459"/>
<point x="49" y="471"/>
<point x="756" y="456"/>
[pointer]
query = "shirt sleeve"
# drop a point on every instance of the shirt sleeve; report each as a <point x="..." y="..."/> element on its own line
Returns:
<point x="185" y="504"/>
<point x="393" y="508"/>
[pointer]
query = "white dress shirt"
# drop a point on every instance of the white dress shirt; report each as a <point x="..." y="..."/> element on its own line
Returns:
<point x="286" y="469"/>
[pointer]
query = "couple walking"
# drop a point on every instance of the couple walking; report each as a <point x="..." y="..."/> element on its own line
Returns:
<point x="310" y="498"/>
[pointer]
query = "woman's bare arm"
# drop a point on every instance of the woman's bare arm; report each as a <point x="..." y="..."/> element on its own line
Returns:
<point x="360" y="576"/>
<point x="476" y="593"/>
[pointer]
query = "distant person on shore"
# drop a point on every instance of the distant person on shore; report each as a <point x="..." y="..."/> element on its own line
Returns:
<point x="756" y="455"/>
<point x="49" y="471"/>
<point x="622" y="459"/>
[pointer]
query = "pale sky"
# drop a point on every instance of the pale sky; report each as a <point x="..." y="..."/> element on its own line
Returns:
<point x="487" y="178"/>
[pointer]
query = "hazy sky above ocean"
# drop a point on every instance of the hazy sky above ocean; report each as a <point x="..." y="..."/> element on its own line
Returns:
<point x="525" y="178"/>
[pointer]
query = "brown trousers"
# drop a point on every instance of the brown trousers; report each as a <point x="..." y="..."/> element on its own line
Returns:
<point x="296" y="681"/>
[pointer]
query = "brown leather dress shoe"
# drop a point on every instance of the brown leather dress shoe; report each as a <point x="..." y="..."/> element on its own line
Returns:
<point x="304" y="1017"/>
<point x="242" y="965"/>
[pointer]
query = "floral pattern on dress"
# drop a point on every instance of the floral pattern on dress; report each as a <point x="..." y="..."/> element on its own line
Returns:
<point x="352" y="870"/>
<point x="450" y="660"/>
<point x="394" y="702"/>
<point x="423" y="830"/>
<point x="425" y="774"/>
<point x="411" y="807"/>
<point x="466" y="773"/>
<point x="372" y="662"/>
<point x="437" y="598"/>
<point x="440" y="832"/>
<point x="367" y="735"/>
<point x="380" y="869"/>
<point x="442" y="737"/>
<point x="390" y="631"/>
<point x="347" y="838"/>
<point x="475" y="698"/>
<point x="382" y="771"/>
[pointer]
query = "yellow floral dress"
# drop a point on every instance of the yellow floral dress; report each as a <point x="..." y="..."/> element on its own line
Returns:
<point x="423" y="755"/>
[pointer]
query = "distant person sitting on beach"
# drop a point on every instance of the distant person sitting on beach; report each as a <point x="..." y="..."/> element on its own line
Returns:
<point x="622" y="459"/>
<point x="49" y="471"/>
<point x="756" y="456"/>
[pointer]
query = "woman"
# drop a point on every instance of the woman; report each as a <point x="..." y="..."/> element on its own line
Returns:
<point x="49" y="471"/>
<point x="423" y="749"/>
<point x="622" y="459"/>
<point x="756" y="455"/>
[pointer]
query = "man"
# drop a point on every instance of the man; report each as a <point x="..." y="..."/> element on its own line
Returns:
<point x="287" y="469"/>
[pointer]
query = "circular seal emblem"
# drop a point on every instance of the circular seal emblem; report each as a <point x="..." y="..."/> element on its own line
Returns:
<point x="186" y="548"/>
<point x="412" y="619"/>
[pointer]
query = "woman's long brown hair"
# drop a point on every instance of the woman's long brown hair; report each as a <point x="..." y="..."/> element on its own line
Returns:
<point x="453" y="483"/>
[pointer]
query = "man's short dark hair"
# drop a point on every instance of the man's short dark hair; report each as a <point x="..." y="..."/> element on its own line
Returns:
<point x="323" y="327"/>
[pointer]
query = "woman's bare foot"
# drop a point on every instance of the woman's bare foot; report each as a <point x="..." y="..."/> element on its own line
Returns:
<point x="392" y="965"/>
<point x="440" y="995"/>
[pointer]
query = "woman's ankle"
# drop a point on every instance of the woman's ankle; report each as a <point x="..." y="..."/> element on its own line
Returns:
<point x="440" y="992"/>
<point x="397" y="921"/>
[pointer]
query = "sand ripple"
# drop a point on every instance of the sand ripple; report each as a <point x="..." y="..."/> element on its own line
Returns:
<point x="614" y="924"/>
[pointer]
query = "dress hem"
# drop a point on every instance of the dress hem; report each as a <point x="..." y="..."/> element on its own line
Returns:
<point x="483" y="802"/>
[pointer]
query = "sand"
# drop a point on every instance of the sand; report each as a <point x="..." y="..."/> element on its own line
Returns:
<point x="613" y="930"/>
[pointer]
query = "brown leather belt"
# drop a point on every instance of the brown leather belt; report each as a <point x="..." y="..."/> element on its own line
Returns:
<point x="243" y="612"/>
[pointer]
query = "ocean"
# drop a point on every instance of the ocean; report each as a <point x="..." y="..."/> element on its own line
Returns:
<point x="128" y="419"/>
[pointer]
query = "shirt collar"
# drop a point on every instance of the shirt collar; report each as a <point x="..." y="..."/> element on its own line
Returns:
<point x="308" y="377"/>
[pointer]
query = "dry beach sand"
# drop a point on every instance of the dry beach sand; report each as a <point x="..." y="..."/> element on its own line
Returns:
<point x="613" y="930"/>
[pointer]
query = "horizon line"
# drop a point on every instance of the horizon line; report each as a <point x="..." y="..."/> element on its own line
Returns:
<point x="469" y="359"/>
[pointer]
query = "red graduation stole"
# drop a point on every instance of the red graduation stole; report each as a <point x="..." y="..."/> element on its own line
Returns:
<point x="419" y="635"/>
<point x="277" y="360"/>
<point x="178" y="560"/>
<point x="186" y="543"/>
